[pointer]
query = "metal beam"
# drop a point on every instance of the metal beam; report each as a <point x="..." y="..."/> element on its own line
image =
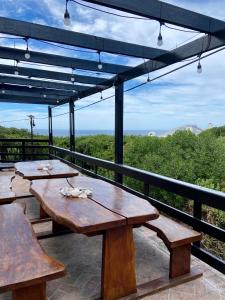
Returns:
<point x="167" y="13"/>
<point x="191" y="49"/>
<point x="61" y="61"/>
<point x="61" y="36"/>
<point x="31" y="95"/>
<point x="72" y="125"/>
<point x="119" y="91"/>
<point x="35" y="92"/>
<point x="59" y="87"/>
<point x="38" y="73"/>
<point x="26" y="100"/>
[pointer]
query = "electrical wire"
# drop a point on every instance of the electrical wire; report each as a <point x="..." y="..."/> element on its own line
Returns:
<point x="180" y="29"/>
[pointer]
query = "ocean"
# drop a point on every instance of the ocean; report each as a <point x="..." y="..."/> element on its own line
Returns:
<point x="64" y="132"/>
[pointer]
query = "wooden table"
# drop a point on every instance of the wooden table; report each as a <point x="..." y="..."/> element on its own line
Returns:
<point x="111" y="211"/>
<point x="29" y="169"/>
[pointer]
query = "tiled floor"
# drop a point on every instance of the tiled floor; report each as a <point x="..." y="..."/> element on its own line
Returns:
<point x="82" y="257"/>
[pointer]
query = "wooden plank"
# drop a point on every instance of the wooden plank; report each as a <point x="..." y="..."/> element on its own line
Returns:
<point x="118" y="263"/>
<point x="174" y="234"/>
<point x="133" y="208"/>
<point x="29" y="170"/>
<point x="36" y="292"/>
<point x="23" y="262"/>
<point x="80" y="215"/>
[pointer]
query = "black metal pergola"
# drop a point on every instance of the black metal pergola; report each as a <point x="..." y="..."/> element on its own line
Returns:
<point x="40" y="86"/>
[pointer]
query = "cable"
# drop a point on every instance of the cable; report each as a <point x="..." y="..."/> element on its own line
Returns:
<point x="179" y="29"/>
<point x="67" y="48"/>
<point x="14" y="120"/>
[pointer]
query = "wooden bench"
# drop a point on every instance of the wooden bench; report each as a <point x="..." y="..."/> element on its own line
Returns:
<point x="24" y="266"/>
<point x="178" y="239"/>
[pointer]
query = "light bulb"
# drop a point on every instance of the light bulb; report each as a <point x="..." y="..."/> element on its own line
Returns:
<point x="27" y="54"/>
<point x="3" y="91"/>
<point x="44" y="96"/>
<point x="100" y="66"/>
<point x="74" y="91"/>
<point x="67" y="21"/>
<point x="29" y="86"/>
<point x="16" y="72"/>
<point x="160" y="40"/>
<point x="199" y="67"/>
<point x="57" y="101"/>
<point x="72" y="79"/>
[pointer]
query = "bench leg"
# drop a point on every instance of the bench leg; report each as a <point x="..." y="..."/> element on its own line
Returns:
<point x="56" y="227"/>
<point x="118" y="263"/>
<point x="43" y="214"/>
<point x="180" y="260"/>
<point x="34" y="292"/>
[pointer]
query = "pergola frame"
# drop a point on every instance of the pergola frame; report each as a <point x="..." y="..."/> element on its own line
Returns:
<point x="55" y="85"/>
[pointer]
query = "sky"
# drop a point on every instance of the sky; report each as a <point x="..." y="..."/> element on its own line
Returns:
<point x="183" y="97"/>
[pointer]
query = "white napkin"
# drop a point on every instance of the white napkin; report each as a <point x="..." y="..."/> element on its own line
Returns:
<point x="44" y="167"/>
<point x="75" y="192"/>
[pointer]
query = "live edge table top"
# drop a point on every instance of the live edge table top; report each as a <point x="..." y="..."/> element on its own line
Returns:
<point x="108" y="207"/>
<point x="29" y="169"/>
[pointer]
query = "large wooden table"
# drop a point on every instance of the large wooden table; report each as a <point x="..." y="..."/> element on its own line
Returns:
<point x="29" y="169"/>
<point x="110" y="211"/>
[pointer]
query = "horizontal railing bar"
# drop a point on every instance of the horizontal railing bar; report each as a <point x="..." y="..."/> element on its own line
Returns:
<point x="26" y="146"/>
<point x="23" y="140"/>
<point x="205" y="196"/>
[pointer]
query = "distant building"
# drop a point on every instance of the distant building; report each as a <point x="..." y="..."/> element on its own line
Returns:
<point x="193" y="128"/>
<point x="151" y="133"/>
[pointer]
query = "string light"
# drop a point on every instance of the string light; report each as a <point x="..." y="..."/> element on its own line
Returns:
<point x="199" y="66"/>
<point x="160" y="39"/>
<point x="44" y="96"/>
<point x="101" y="96"/>
<point x="67" y="20"/>
<point x="30" y="86"/>
<point x="3" y="91"/>
<point x="100" y="66"/>
<point x="27" y="53"/>
<point x="16" y="71"/>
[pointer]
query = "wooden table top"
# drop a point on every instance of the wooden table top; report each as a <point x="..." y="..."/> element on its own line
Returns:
<point x="108" y="207"/>
<point x="29" y="169"/>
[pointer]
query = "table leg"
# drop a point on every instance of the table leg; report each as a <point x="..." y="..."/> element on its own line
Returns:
<point x="118" y="263"/>
<point x="35" y="292"/>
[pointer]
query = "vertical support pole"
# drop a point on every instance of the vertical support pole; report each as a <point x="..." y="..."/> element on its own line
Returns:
<point x="50" y="132"/>
<point x="72" y="127"/>
<point x="119" y="94"/>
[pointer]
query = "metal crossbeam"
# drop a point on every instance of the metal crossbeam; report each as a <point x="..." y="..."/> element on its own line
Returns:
<point x="38" y="73"/>
<point x="61" y="61"/>
<point x="60" y="88"/>
<point x="61" y="36"/>
<point x="167" y="13"/>
<point x="26" y="100"/>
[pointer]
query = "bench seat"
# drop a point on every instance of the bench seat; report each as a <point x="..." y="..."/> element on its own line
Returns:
<point x="6" y="193"/>
<point x="178" y="239"/>
<point x="24" y="266"/>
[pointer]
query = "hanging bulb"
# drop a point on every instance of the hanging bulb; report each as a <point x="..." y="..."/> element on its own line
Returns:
<point x="44" y="96"/>
<point x="16" y="72"/>
<point x="101" y="96"/>
<point x="30" y="86"/>
<point x="160" y="39"/>
<point x="72" y="76"/>
<point x="3" y="91"/>
<point x="100" y="66"/>
<point x="67" y="20"/>
<point x="148" y="79"/>
<point x="199" y="67"/>
<point x="57" y="101"/>
<point x="27" y="53"/>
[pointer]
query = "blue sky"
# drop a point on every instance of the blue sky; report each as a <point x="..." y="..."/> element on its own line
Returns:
<point x="184" y="97"/>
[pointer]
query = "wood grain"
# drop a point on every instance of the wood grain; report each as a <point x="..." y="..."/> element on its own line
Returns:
<point x="28" y="169"/>
<point x="118" y="263"/>
<point x="80" y="215"/>
<point x="23" y="262"/>
<point x="173" y="233"/>
<point x="36" y="292"/>
<point x="134" y="209"/>
<point x="6" y="194"/>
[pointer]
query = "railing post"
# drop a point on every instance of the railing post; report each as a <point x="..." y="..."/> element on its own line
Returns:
<point x="197" y="213"/>
<point x="72" y="127"/>
<point x="23" y="151"/>
<point x="119" y="94"/>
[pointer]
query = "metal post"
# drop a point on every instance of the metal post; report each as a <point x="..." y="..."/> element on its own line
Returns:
<point x="32" y="124"/>
<point x="72" y="127"/>
<point x="50" y="132"/>
<point x="197" y="213"/>
<point x="119" y="91"/>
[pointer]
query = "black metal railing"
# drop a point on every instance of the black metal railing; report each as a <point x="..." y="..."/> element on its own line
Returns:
<point x="199" y="195"/>
<point x="13" y="150"/>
